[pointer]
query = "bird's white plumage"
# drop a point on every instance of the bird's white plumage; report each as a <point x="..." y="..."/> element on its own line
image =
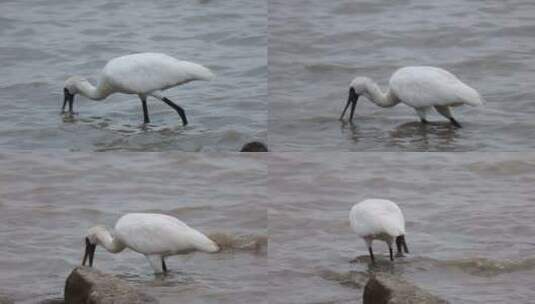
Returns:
<point x="144" y="74"/>
<point x="377" y="219"/>
<point x="424" y="86"/>
<point x="420" y="87"/>
<point x="147" y="72"/>
<point x="153" y="235"/>
<point x="160" y="234"/>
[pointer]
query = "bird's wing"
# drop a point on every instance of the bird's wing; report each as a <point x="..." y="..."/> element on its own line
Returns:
<point x="154" y="233"/>
<point x="147" y="72"/>
<point x="377" y="216"/>
<point x="428" y="86"/>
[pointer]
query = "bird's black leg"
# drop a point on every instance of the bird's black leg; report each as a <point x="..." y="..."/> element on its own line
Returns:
<point x="345" y="109"/>
<point x="399" y="243"/>
<point x="391" y="254"/>
<point x="64" y="105"/>
<point x="145" y="111"/>
<point x="371" y="254"/>
<point x="353" y="105"/>
<point x="164" y="267"/>
<point x="178" y="109"/>
<point x="455" y="122"/>
<point x="67" y="97"/>
<point x="71" y="101"/>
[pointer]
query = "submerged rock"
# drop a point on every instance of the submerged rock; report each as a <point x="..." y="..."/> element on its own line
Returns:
<point x="387" y="289"/>
<point x="5" y="300"/>
<point x="86" y="285"/>
<point x="254" y="146"/>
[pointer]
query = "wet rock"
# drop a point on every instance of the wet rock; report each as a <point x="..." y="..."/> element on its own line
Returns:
<point x="387" y="289"/>
<point x="5" y="300"/>
<point x="254" y="146"/>
<point x="86" y="285"/>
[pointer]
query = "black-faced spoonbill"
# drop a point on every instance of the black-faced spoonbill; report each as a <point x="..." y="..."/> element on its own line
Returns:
<point x="419" y="87"/>
<point x="143" y="74"/>
<point x="154" y="235"/>
<point x="378" y="219"/>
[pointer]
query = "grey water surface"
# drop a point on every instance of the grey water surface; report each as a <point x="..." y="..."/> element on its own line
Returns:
<point x="49" y="200"/>
<point x="317" y="47"/>
<point x="469" y="222"/>
<point x="45" y="42"/>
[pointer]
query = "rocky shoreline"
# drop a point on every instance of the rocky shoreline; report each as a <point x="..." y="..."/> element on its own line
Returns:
<point x="86" y="285"/>
<point x="383" y="288"/>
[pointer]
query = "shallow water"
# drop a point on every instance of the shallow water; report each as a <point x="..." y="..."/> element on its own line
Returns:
<point x="44" y="42"/>
<point x="317" y="47"/>
<point x="48" y="201"/>
<point x="469" y="220"/>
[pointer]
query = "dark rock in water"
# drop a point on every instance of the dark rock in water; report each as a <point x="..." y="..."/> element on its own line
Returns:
<point x="86" y="285"/>
<point x="387" y="289"/>
<point x="5" y="300"/>
<point x="254" y="146"/>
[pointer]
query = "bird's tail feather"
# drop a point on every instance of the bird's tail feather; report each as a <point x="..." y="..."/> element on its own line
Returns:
<point x="199" y="72"/>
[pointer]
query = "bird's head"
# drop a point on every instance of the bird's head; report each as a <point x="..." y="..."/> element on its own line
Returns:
<point x="70" y="89"/>
<point x="91" y="242"/>
<point x="358" y="87"/>
<point x="71" y="84"/>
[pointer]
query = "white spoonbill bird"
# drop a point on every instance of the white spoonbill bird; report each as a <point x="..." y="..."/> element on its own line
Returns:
<point x="143" y="74"/>
<point x="379" y="219"/>
<point x="154" y="235"/>
<point x="419" y="87"/>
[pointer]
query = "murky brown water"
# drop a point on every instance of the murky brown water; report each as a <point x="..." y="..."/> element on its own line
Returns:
<point x="469" y="224"/>
<point x="469" y="221"/>
<point x="469" y="215"/>
<point x="48" y="201"/>
<point x="317" y="47"/>
<point x="44" y="42"/>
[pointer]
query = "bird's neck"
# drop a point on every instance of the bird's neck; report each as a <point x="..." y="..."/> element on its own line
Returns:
<point x="112" y="244"/>
<point x="375" y="95"/>
<point x="99" y="92"/>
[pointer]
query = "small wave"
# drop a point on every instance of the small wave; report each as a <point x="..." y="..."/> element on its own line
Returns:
<point x="188" y="209"/>
<point x="55" y="300"/>
<point x="320" y="119"/>
<point x="116" y="126"/>
<point x="231" y="136"/>
<point x="484" y="267"/>
<point x="89" y="212"/>
<point x="328" y="67"/>
<point x="355" y="279"/>
<point x="509" y="167"/>
<point x="24" y="86"/>
<point x="226" y="241"/>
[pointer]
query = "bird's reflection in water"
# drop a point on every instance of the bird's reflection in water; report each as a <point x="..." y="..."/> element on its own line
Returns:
<point x="420" y="136"/>
<point x="169" y="279"/>
<point x="352" y="128"/>
<point x="69" y="117"/>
